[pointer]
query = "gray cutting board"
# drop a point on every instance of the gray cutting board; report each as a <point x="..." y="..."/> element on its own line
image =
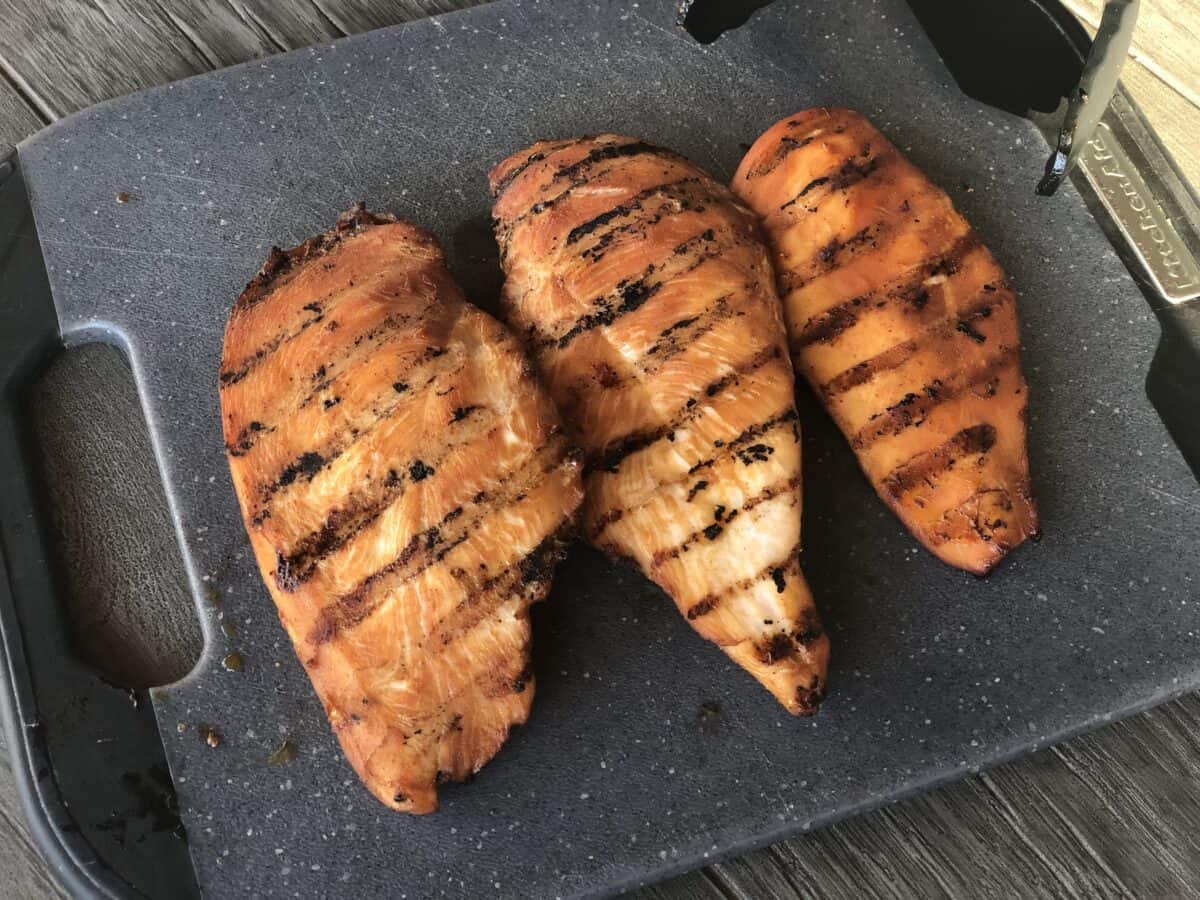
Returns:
<point x="647" y="751"/>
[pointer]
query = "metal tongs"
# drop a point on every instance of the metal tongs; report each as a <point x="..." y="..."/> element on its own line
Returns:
<point x="1091" y="96"/>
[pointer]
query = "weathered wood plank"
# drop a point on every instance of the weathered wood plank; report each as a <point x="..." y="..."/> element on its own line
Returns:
<point x="287" y="25"/>
<point x="1132" y="793"/>
<point x="698" y="885"/>
<point x="18" y="118"/>
<point x="65" y="59"/>
<point x="105" y="48"/>
<point x="23" y="872"/>
<point x="1115" y="813"/>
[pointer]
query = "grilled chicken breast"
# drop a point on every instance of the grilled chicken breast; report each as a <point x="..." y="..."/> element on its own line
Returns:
<point x="904" y="325"/>
<point x="406" y="488"/>
<point x="646" y="297"/>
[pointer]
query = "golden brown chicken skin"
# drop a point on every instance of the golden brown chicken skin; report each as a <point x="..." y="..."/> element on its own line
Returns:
<point x="406" y="487"/>
<point x="904" y="325"/>
<point x="646" y="297"/>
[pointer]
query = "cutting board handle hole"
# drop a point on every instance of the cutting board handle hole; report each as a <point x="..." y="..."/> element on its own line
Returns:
<point x="707" y="20"/>
<point x="108" y="521"/>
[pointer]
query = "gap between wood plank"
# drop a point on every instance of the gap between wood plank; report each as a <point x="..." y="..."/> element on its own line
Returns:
<point x="26" y="92"/>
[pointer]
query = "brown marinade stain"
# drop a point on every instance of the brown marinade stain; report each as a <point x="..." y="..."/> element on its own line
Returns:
<point x="284" y="754"/>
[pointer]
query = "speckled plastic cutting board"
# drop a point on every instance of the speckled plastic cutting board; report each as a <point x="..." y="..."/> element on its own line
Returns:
<point x="647" y="751"/>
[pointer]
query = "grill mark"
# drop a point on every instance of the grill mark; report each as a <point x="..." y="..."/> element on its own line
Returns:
<point x="755" y="453"/>
<point x="344" y="524"/>
<point x="319" y="308"/>
<point x="610" y="460"/>
<point x="233" y="376"/>
<point x="826" y="259"/>
<point x="336" y="448"/>
<point x="981" y="305"/>
<point x="879" y="235"/>
<point x="481" y="599"/>
<point x="666" y="189"/>
<point x="632" y="296"/>
<point x="501" y="186"/>
<point x="685" y="200"/>
<point x="775" y="648"/>
<point x="247" y="437"/>
<point x="815" y="183"/>
<point x="724" y="451"/>
<point x="826" y="326"/>
<point x="714" y="531"/>
<point x="782" y="645"/>
<point x="632" y="293"/>
<point x="672" y="342"/>
<point x="868" y="369"/>
<point x="306" y="465"/>
<point x="860" y="373"/>
<point x="537" y="156"/>
<point x="977" y="439"/>
<point x="281" y="264"/>
<point x="370" y="341"/>
<point x="374" y="339"/>
<point x="987" y="531"/>
<point x="601" y="523"/>
<point x="352" y="608"/>
<point x="575" y="174"/>
<point x="683" y="323"/>
<point x="702" y="607"/>
<point x="786" y="145"/>
<point x="581" y="231"/>
<point x="790" y="564"/>
<point x="535" y="567"/>
<point x="758" y="360"/>
<point x="666" y="348"/>
<point x="848" y="174"/>
<point x="980" y="308"/>
<point x="605" y="152"/>
<point x="912" y="409"/>
<point x="779" y="576"/>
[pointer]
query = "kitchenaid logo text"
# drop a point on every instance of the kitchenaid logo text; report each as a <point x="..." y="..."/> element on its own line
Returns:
<point x="1141" y="216"/>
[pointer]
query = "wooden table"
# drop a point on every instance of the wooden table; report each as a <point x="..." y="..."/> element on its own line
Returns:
<point x="1113" y="813"/>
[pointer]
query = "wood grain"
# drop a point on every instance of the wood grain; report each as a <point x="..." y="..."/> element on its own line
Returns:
<point x="18" y="118"/>
<point x="23" y="873"/>
<point x="1112" y="814"/>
